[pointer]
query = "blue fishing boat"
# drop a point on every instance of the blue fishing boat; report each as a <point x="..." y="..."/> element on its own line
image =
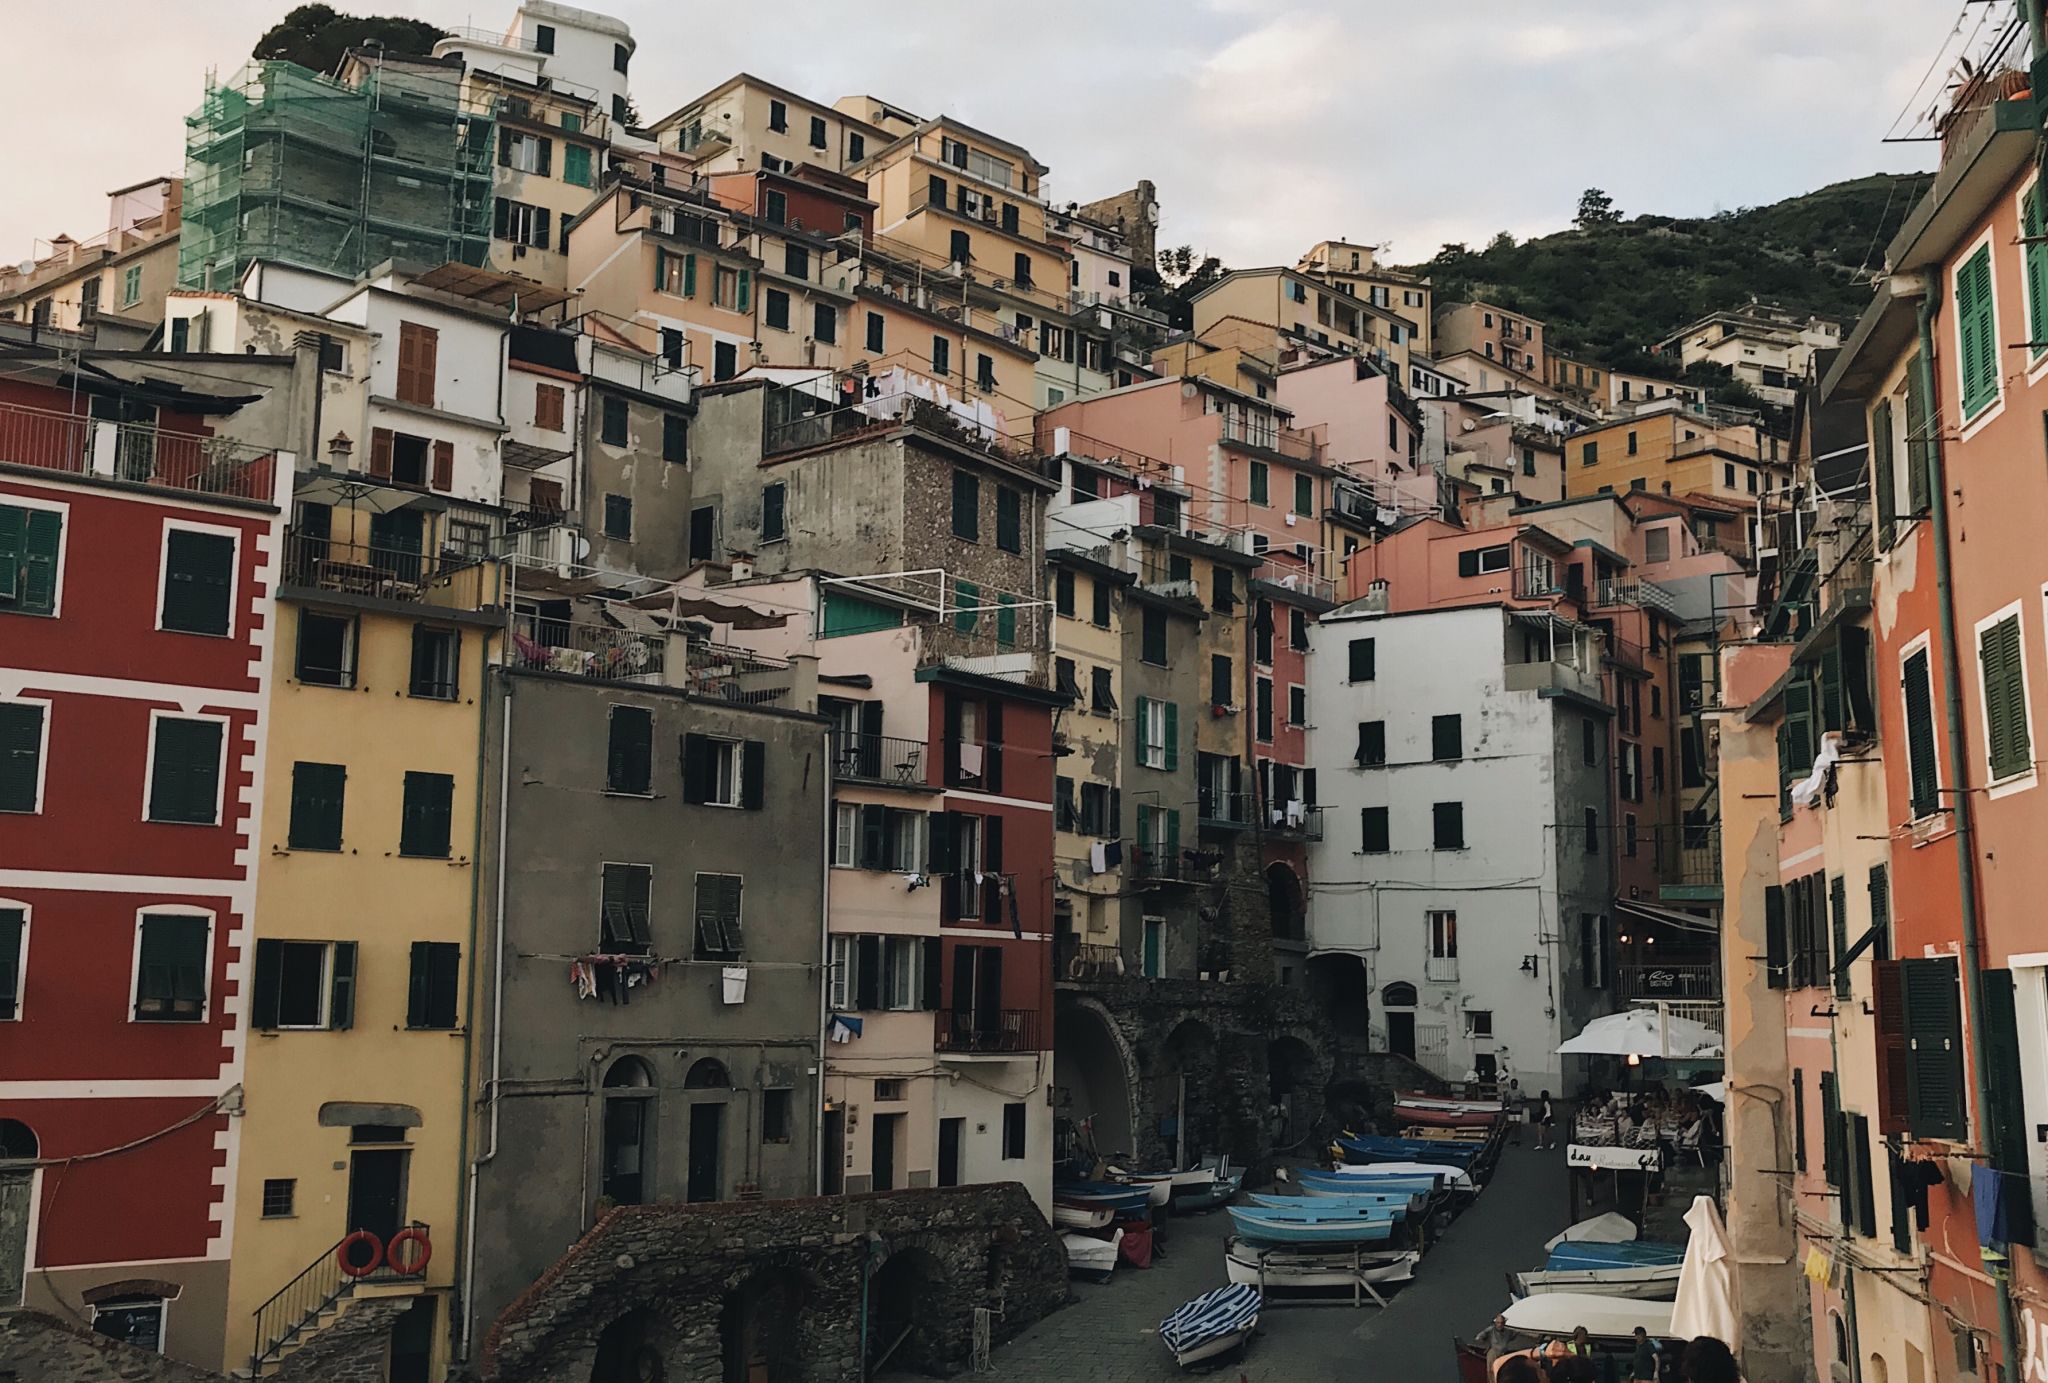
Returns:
<point x="1372" y="1148"/>
<point x="1359" y="1182"/>
<point x="1224" y="1183"/>
<point x="1101" y="1195"/>
<point x="1398" y="1205"/>
<point x="1213" y="1323"/>
<point x="1579" y="1256"/>
<point x="1263" y="1226"/>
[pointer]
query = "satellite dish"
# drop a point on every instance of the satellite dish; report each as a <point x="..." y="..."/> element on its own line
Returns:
<point x="27" y="266"/>
<point x="1187" y="389"/>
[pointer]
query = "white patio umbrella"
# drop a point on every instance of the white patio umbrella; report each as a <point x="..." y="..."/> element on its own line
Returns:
<point x="1706" y="1296"/>
<point x="1645" y="1032"/>
<point x="1715" y="1090"/>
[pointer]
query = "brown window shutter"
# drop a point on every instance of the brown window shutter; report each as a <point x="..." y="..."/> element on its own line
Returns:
<point x="418" y="348"/>
<point x="1890" y="1017"/>
<point x="380" y="453"/>
<point x="444" y="466"/>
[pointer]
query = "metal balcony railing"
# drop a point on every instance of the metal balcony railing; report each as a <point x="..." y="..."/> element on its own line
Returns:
<point x="1684" y="982"/>
<point x="1303" y="819"/>
<point x="983" y="1030"/>
<point x="136" y="453"/>
<point x="496" y="37"/>
<point x="346" y="567"/>
<point x="736" y="674"/>
<point x="884" y="759"/>
<point x="1267" y="436"/>
<point x="1157" y="862"/>
<point x="600" y="652"/>
<point x="1539" y="583"/>
<point x="1213" y="808"/>
<point x="1087" y="961"/>
<point x="1440" y="969"/>
<point x="1642" y="593"/>
<point x="294" y="1311"/>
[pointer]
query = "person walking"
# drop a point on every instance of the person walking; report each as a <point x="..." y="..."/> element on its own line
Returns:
<point x="1643" y="1363"/>
<point x="1546" y="1120"/>
<point x="1518" y="1111"/>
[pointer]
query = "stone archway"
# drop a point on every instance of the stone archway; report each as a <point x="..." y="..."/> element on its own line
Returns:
<point x="1284" y="900"/>
<point x="1185" y="1110"/>
<point x="626" y="1352"/>
<point x="906" y="1320"/>
<point x="1095" y="1079"/>
<point x="1343" y="993"/>
<point x="1294" y="1091"/>
<point x="764" y="1328"/>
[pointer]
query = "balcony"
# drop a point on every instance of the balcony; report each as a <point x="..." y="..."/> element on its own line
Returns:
<point x="1089" y="962"/>
<point x="496" y="38"/>
<point x="1440" y="969"/>
<point x="1263" y="435"/>
<point x="137" y="454"/>
<point x="735" y="674"/>
<point x="1689" y="861"/>
<point x="601" y="652"/>
<point x="555" y="546"/>
<point x="1299" y="820"/>
<point x="1285" y="570"/>
<point x="1642" y="594"/>
<point x="880" y="760"/>
<point x="1539" y="582"/>
<point x="341" y="567"/>
<point x="1223" y="810"/>
<point x="1157" y="864"/>
<point x="987" y="1032"/>
<point x="1698" y="983"/>
<point x="1552" y="679"/>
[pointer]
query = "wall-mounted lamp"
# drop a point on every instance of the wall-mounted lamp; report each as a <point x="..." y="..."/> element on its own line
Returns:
<point x="1528" y="965"/>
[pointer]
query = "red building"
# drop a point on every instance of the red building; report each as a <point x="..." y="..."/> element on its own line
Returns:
<point x="137" y="543"/>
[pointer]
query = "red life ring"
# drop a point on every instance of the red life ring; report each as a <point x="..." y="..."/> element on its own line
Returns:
<point x="409" y="1236"/>
<point x="349" y="1266"/>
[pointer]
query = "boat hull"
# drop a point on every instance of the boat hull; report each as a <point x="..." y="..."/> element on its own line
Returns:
<point x="1444" y="1118"/>
<point x="1303" y="1270"/>
<point x="1081" y="1216"/>
<point x="1399" y="1203"/>
<point x="1088" y="1256"/>
<point x="1213" y="1324"/>
<point x="1656" y="1283"/>
<point x="1283" y="1227"/>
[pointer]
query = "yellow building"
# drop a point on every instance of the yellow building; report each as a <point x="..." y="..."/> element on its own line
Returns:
<point x="1354" y="269"/>
<point x="120" y="275"/>
<point x="746" y="123"/>
<point x="1668" y="449"/>
<point x="1303" y="315"/>
<point x="550" y="161"/>
<point x="1087" y="642"/>
<point x="355" y="1092"/>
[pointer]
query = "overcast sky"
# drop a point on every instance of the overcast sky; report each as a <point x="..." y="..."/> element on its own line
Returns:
<point x="1266" y="124"/>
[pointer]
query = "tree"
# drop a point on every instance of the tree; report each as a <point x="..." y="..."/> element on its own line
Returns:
<point x="317" y="36"/>
<point x="1596" y="209"/>
<point x="1502" y="241"/>
<point x="1186" y="275"/>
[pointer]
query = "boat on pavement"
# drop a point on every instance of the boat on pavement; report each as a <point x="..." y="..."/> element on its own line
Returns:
<point x="1404" y="1202"/>
<point x="1213" y="1324"/>
<point x="1653" y="1282"/>
<point x="1258" y="1225"/>
<point x="1280" y="1267"/>
<point x="1088" y="1256"/>
<point x="1580" y="1256"/>
<point x="1081" y="1216"/>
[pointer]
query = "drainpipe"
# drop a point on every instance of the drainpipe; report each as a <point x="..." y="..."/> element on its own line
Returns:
<point x="824" y="980"/>
<point x="1958" y="766"/>
<point x="465" y="1204"/>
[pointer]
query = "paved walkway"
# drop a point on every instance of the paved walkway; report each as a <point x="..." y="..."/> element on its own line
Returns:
<point x="1110" y="1333"/>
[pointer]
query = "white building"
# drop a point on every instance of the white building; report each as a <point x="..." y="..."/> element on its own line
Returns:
<point x="1458" y="750"/>
<point x="579" y="50"/>
<point x="1768" y="348"/>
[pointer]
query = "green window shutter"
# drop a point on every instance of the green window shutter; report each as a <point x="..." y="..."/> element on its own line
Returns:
<point x="12" y="921"/>
<point x="1935" y="1105"/>
<point x="199" y="570"/>
<point x="426" y="819"/>
<point x="1172" y="833"/>
<point x="1919" y="700"/>
<point x="1172" y="736"/>
<point x="13" y="538"/>
<point x="1976" y="328"/>
<point x="1831" y="1129"/>
<point x="1919" y="448"/>
<point x="21" y="758"/>
<point x="576" y="165"/>
<point x="2036" y="259"/>
<point x="1143" y="714"/>
<point x="1831" y="717"/>
<point x="1006" y="621"/>
<point x="746" y="289"/>
<point x="1145" y="826"/>
<point x="1838" y="915"/>
<point x="966" y="596"/>
<point x="1777" y="945"/>
<point x="185" y="784"/>
<point x="1798" y="729"/>
<point x="317" y="803"/>
<point x="170" y="972"/>
<point x="689" y="276"/>
<point x="29" y="540"/>
<point x="341" y="988"/>
<point x="2005" y="697"/>
<point x="1304" y="494"/>
<point x="1883" y="474"/>
<point x="966" y="506"/>
<point x="1258" y="482"/>
<point x="2008" y="1131"/>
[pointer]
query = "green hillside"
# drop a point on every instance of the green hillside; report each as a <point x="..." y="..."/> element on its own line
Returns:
<point x="1612" y="291"/>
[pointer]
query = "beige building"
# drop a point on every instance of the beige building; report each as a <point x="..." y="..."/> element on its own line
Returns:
<point x="1505" y="341"/>
<point x="550" y="161"/>
<point x="1769" y="348"/>
<point x="1666" y="448"/>
<point x="745" y="123"/>
<point x="1353" y="268"/>
<point x="120" y="275"/>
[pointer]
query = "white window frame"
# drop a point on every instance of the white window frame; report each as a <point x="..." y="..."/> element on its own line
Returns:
<point x="2027" y="777"/>
<point x="220" y="776"/>
<point x="1152" y="735"/>
<point x="1486" y="557"/>
<point x="1921" y="644"/>
<point x="2030" y="1012"/>
<point x="840" y="978"/>
<point x="326" y="1016"/>
<point x="1969" y="427"/>
<point x="135" y="959"/>
<point x="28" y="917"/>
<point x="724" y="790"/>
<point x="163" y="571"/>
<point x="845" y="835"/>
<point x="910" y="829"/>
<point x="63" y="513"/>
<point x="522" y="223"/>
<point x="1443" y="941"/>
<point x="42" y="752"/>
<point x="903" y="962"/>
<point x="1292" y="688"/>
<point x="524" y="153"/>
<point x="1472" y="1028"/>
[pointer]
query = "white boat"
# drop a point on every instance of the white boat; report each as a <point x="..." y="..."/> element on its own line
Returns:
<point x="1089" y="1256"/>
<point x="1213" y="1323"/>
<point x="1657" y="1282"/>
<point x="1457" y="1178"/>
<point x="1605" y="1318"/>
<point x="1080" y="1216"/>
<point x="1158" y="1186"/>
<point x="1287" y="1269"/>
<point x="1610" y="1228"/>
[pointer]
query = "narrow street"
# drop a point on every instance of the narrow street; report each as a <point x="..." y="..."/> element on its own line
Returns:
<point x="1110" y="1333"/>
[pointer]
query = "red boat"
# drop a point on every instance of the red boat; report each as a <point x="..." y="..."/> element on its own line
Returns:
<point x="1422" y="1100"/>
<point x="1408" y="1114"/>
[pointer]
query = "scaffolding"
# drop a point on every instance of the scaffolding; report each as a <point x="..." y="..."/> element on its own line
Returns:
<point x="284" y="164"/>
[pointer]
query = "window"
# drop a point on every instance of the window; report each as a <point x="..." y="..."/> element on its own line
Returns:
<point x="875" y="327"/>
<point x="718" y="916"/>
<point x="960" y="247"/>
<point x="1262" y="709"/>
<point x="171" y="950"/>
<point x="1443" y="935"/>
<point x="1102" y="698"/>
<point x="433" y="985"/>
<point x="725" y="360"/>
<point x="2008" y="744"/>
<point x="1304" y="494"/>
<point x="612" y="421"/>
<point x="778" y="117"/>
<point x="1483" y="561"/>
<point x="1063" y="591"/>
<point x="1976" y="333"/>
<point x="966" y="507"/>
<point x="1448" y="823"/>
<point x="544" y="38"/>
<point x="1589" y="746"/>
<point x="426" y="816"/>
<point x="1592" y="830"/>
<point x="618" y="517"/>
<point x="1589" y="454"/>
<point x="1372" y="831"/>
<point x="856" y="149"/>
<point x="1222" y="589"/>
<point x="1922" y="773"/>
<point x="985" y="373"/>
<point x="1446" y="737"/>
<point x="703" y="532"/>
<point x="773" y="517"/>
<point x="1021" y="265"/>
<point x="23" y="725"/>
<point x="1099" y="612"/>
<point x="825" y="323"/>
<point x="198" y="582"/>
<point x="317" y="797"/>
<point x="522" y="223"/>
<point x="31" y="541"/>
<point x="1362" y="660"/>
<point x="1259" y="483"/>
<point x="185" y="769"/>
<point x="418" y="349"/>
<point x="1372" y="743"/>
<point x="327" y="650"/>
<point x="1222" y="687"/>
<point x="1009" y="519"/>
<point x="1158" y="734"/>
<point x="304" y="984"/>
<point x="131" y="285"/>
<point x="548" y="407"/>
<point x="278" y="1195"/>
<point x="1297" y="705"/>
<point x="137" y="1321"/>
<point x="724" y="772"/>
<point x="623" y="909"/>
<point x="732" y="289"/>
<point x="1013" y="1131"/>
<point x="1936" y="1102"/>
<point x="675" y="275"/>
<point x="1153" y="637"/>
<point x="775" y="309"/>
<point x="436" y="663"/>
<point x="942" y="353"/>
<point x="1297" y="630"/>
<point x="776" y="1120"/>
<point x="775" y="209"/>
<point x="818" y="132"/>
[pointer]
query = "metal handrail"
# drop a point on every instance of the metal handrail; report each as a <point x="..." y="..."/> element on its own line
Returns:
<point x="304" y="1299"/>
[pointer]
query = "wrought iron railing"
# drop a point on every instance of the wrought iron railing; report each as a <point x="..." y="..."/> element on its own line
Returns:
<point x="347" y="567"/>
<point x="987" y="1030"/>
<point x="293" y="1312"/>
<point x="863" y="758"/>
<point x="601" y="652"/>
<point x="1643" y="981"/>
<point x="1295" y="819"/>
<point x="136" y="453"/>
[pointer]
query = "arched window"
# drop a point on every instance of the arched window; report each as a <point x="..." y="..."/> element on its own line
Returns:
<point x="628" y="1126"/>
<point x="1399" y="994"/>
<point x="708" y="1075"/>
<point x="17" y="1141"/>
